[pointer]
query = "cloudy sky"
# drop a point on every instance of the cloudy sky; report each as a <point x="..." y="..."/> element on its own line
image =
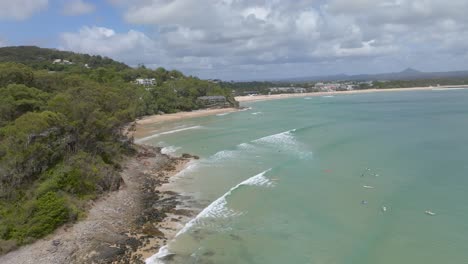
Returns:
<point x="250" y="39"/>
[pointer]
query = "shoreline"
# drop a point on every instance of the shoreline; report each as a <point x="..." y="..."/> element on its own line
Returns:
<point x="131" y="224"/>
<point x="257" y="98"/>
<point x="124" y="226"/>
<point x="141" y="130"/>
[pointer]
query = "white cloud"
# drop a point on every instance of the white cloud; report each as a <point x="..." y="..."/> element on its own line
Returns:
<point x="21" y="9"/>
<point x="77" y="7"/>
<point x="132" y="46"/>
<point x="236" y="38"/>
<point x="3" y="42"/>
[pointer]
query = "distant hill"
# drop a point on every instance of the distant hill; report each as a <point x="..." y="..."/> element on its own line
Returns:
<point x="407" y="74"/>
<point x="42" y="58"/>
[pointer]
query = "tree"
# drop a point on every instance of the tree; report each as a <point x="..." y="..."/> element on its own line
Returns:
<point x="14" y="73"/>
<point x="16" y="100"/>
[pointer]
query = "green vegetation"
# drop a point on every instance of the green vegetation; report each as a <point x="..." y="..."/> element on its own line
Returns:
<point x="39" y="58"/>
<point x="246" y="88"/>
<point x="418" y="83"/>
<point x="61" y="132"/>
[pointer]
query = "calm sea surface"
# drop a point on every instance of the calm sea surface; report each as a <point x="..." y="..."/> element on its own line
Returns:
<point x="343" y="179"/>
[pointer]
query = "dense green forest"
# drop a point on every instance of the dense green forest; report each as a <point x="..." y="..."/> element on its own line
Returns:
<point x="61" y="132"/>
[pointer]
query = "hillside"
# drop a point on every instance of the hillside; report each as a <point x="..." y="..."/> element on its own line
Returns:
<point x="40" y="58"/>
<point x="62" y="134"/>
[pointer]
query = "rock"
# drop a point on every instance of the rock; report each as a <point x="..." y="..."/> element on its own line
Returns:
<point x="150" y="229"/>
<point x="183" y="212"/>
<point x="108" y="254"/>
<point x="189" y="156"/>
<point x="133" y="243"/>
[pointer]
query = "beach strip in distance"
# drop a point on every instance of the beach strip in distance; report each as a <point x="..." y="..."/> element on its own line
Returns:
<point x="256" y="98"/>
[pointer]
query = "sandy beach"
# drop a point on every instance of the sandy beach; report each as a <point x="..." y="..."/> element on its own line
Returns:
<point x="243" y="99"/>
<point x="154" y="119"/>
<point x="140" y="128"/>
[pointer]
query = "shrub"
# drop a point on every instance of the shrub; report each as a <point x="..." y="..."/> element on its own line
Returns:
<point x="47" y="213"/>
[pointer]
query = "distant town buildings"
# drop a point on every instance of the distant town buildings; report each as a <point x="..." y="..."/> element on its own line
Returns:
<point x="146" y="81"/>
<point x="287" y="90"/>
<point x="327" y="87"/>
<point x="330" y="87"/>
<point x="251" y="93"/>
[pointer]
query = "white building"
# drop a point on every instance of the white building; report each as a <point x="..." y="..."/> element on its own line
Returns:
<point x="287" y="90"/>
<point x="60" y="61"/>
<point x="327" y="87"/>
<point x="146" y="81"/>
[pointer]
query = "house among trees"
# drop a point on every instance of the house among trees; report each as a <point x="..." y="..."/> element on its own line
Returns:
<point x="63" y="62"/>
<point x="213" y="101"/>
<point x="146" y="81"/>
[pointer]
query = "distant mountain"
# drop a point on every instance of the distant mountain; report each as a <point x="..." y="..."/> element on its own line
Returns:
<point x="41" y="58"/>
<point x="407" y="74"/>
<point x="410" y="71"/>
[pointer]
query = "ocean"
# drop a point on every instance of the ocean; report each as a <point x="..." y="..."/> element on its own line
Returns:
<point x="325" y="180"/>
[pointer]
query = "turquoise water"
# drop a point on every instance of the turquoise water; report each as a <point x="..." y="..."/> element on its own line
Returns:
<point x="284" y="181"/>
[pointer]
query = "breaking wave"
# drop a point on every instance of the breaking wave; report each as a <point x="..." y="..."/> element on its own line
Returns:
<point x="285" y="141"/>
<point x="166" y="133"/>
<point x="170" y="150"/>
<point x="219" y="209"/>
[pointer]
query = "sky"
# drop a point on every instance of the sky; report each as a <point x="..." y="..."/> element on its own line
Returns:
<point x="250" y="39"/>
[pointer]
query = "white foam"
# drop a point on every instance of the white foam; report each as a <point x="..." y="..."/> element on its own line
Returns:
<point x="221" y="155"/>
<point x="257" y="113"/>
<point x="245" y="146"/>
<point x="170" y="150"/>
<point x="180" y="130"/>
<point x="229" y="153"/>
<point x="287" y="142"/>
<point x="219" y="209"/>
<point x="245" y="109"/>
<point x="166" y="133"/>
<point x="223" y="114"/>
<point x="283" y="137"/>
<point x="259" y="180"/>
<point x="191" y="166"/>
<point x="275" y="137"/>
<point x="328" y="96"/>
<point x="155" y="259"/>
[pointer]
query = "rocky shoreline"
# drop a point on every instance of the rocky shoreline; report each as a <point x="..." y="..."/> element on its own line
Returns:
<point x="125" y="226"/>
